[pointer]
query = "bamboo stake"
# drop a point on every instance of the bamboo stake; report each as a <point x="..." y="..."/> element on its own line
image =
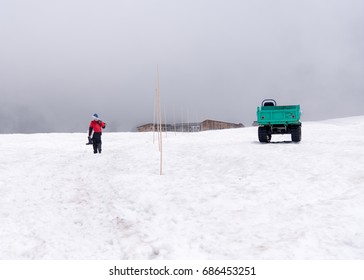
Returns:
<point x="158" y="116"/>
<point x="160" y="125"/>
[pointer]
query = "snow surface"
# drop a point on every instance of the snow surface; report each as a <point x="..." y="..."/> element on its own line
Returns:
<point x="223" y="195"/>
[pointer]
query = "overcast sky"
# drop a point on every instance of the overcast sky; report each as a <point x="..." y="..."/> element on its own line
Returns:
<point x="63" y="60"/>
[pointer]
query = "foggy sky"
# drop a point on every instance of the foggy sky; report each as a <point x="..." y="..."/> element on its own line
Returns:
<point x="63" y="60"/>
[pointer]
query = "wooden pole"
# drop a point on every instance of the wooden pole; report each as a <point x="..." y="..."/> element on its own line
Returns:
<point x="160" y="125"/>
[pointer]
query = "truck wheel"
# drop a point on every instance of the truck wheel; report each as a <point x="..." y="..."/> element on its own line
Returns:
<point x="263" y="135"/>
<point x="296" y="134"/>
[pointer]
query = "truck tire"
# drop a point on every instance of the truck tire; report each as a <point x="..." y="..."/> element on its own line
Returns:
<point x="263" y="135"/>
<point x="296" y="134"/>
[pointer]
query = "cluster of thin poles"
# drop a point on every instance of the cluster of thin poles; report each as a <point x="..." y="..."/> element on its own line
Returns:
<point x="157" y="121"/>
<point x="158" y="117"/>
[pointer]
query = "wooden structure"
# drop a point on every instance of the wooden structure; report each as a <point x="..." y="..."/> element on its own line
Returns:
<point x="189" y="127"/>
<point x="213" y="125"/>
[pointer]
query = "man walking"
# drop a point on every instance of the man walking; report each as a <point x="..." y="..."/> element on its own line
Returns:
<point x="95" y="129"/>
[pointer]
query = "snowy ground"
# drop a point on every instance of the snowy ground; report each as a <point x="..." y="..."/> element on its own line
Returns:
<point x="223" y="195"/>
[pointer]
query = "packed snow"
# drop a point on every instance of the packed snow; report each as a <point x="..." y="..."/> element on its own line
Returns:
<point x="222" y="195"/>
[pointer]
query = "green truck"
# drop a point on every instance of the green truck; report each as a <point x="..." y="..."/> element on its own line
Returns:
<point x="273" y="119"/>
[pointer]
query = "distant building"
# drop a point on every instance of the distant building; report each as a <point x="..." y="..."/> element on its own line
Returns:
<point x="213" y="125"/>
<point x="149" y="127"/>
<point x="146" y="127"/>
<point x="190" y="127"/>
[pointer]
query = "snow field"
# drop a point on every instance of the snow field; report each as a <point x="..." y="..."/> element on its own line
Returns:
<point x="223" y="195"/>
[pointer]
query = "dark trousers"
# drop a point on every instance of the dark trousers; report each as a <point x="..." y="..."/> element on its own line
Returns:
<point x="96" y="142"/>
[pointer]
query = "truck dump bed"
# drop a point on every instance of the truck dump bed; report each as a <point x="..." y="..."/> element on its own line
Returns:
<point x="278" y="115"/>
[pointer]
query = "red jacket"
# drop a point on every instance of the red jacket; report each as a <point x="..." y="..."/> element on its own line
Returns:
<point x="96" y="126"/>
